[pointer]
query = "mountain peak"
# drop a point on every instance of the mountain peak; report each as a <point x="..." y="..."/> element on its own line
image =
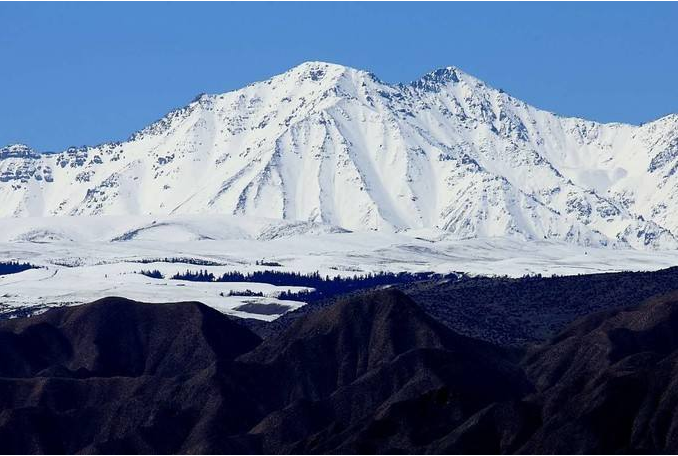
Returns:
<point x="16" y="147"/>
<point x="668" y="119"/>
<point x="17" y="150"/>
<point x="317" y="71"/>
<point x="318" y="64"/>
<point x="324" y="72"/>
<point x="433" y="80"/>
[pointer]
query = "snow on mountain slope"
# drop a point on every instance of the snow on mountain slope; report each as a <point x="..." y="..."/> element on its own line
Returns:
<point x="334" y="145"/>
<point x="158" y="229"/>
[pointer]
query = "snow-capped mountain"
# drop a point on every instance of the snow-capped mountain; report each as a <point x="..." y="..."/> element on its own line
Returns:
<point x="331" y="144"/>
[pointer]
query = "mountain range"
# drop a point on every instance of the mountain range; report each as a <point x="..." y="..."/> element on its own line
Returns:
<point x="334" y="145"/>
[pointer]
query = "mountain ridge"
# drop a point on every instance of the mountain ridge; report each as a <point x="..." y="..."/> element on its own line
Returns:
<point x="331" y="144"/>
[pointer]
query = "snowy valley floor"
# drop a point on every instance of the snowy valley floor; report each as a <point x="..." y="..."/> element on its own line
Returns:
<point x="86" y="258"/>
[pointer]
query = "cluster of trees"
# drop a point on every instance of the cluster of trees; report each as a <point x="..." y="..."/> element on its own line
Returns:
<point x="200" y="276"/>
<point x="337" y="285"/>
<point x="324" y="286"/>
<point x="154" y="274"/>
<point x="270" y="264"/>
<point x="12" y="267"/>
<point x="332" y="286"/>
<point x="195" y="261"/>
<point x="279" y="278"/>
<point x="247" y="292"/>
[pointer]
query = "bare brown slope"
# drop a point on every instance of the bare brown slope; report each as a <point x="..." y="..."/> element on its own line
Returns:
<point x="118" y="376"/>
<point x="346" y="376"/>
<point x="610" y="382"/>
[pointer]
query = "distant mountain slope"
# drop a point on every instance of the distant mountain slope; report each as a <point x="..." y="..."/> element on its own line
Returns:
<point x="327" y="143"/>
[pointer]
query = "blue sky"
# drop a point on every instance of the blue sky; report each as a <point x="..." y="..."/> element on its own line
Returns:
<point x="85" y="73"/>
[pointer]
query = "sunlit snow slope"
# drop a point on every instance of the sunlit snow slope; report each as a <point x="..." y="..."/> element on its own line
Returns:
<point x="334" y="145"/>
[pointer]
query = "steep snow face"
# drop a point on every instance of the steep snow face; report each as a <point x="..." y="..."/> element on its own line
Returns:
<point x="328" y="144"/>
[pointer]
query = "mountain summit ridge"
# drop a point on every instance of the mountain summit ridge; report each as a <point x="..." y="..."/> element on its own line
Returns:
<point x="331" y="144"/>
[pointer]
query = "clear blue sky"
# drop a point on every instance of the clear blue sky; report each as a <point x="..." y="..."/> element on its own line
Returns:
<point x="85" y="73"/>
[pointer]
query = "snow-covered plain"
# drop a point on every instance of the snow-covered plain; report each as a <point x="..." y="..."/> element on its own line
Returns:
<point x="88" y="257"/>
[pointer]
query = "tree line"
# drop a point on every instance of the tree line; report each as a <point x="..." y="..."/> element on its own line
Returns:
<point x="323" y="286"/>
<point x="12" y="267"/>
